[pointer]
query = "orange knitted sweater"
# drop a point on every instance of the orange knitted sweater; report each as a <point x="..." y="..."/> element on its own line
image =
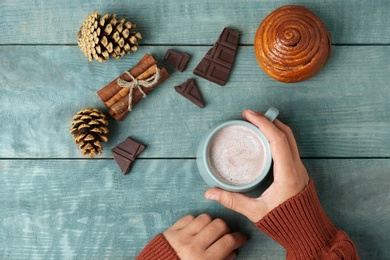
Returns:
<point x="299" y="224"/>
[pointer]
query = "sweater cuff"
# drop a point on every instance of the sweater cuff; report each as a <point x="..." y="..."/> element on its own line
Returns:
<point x="300" y="224"/>
<point x="158" y="248"/>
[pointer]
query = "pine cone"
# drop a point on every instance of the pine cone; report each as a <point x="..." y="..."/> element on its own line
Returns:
<point x="89" y="129"/>
<point x="103" y="36"/>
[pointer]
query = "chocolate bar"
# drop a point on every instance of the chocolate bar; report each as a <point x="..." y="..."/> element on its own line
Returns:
<point x="177" y="59"/>
<point x="126" y="152"/>
<point x="218" y="61"/>
<point x="190" y="91"/>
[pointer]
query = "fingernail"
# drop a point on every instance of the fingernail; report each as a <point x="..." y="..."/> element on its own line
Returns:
<point x="250" y="112"/>
<point x="212" y="196"/>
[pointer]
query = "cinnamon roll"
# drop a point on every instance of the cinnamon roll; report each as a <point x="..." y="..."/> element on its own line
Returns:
<point x="292" y="44"/>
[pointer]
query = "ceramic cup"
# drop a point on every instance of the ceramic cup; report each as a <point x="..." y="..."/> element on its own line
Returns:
<point x="209" y="173"/>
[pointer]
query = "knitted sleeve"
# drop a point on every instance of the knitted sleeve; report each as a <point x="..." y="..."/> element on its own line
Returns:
<point x="301" y="226"/>
<point x="158" y="248"/>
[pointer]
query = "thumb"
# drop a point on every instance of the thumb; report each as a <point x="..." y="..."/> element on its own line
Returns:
<point x="250" y="207"/>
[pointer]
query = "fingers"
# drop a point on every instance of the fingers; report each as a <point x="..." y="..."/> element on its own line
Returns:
<point x="249" y="207"/>
<point x="285" y="129"/>
<point x="290" y="137"/>
<point x="199" y="223"/>
<point x="191" y="238"/>
<point x="279" y="142"/>
<point x="223" y="248"/>
<point x="212" y="232"/>
<point x="183" y="222"/>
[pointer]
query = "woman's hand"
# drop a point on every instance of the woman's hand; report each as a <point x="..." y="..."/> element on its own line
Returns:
<point x="203" y="238"/>
<point x="290" y="176"/>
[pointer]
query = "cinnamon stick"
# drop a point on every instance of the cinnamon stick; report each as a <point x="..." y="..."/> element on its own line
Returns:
<point x="136" y="97"/>
<point x="125" y="91"/>
<point x="123" y="103"/>
<point x="112" y="88"/>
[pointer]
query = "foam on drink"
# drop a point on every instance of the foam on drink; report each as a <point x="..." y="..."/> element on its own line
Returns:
<point x="236" y="155"/>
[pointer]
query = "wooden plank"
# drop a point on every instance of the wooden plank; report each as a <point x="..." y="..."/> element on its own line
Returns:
<point x="341" y="112"/>
<point x="86" y="209"/>
<point x="189" y="22"/>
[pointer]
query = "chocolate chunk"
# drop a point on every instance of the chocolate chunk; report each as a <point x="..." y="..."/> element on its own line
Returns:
<point x="123" y="162"/>
<point x="177" y="59"/>
<point x="218" y="61"/>
<point x="190" y="91"/>
<point x="126" y="152"/>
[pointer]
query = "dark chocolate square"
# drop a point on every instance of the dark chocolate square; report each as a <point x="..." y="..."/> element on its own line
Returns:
<point x="229" y="38"/>
<point x="177" y="59"/>
<point x="224" y="56"/>
<point x="126" y="152"/>
<point x="218" y="73"/>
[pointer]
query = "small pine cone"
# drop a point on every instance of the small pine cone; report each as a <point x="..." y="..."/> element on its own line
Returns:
<point x="89" y="129"/>
<point x="103" y="36"/>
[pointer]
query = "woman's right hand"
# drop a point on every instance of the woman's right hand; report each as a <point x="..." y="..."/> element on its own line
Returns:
<point x="290" y="176"/>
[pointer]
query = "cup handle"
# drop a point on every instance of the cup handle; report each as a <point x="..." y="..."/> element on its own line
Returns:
<point x="271" y="114"/>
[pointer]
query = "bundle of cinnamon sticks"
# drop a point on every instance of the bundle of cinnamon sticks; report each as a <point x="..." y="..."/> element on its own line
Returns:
<point x="116" y="98"/>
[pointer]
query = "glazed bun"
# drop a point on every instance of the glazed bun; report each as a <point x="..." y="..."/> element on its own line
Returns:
<point x="292" y="44"/>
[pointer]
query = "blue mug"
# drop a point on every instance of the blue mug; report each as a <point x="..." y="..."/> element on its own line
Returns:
<point x="203" y="160"/>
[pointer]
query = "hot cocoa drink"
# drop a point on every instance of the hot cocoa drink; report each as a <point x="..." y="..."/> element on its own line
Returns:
<point x="237" y="155"/>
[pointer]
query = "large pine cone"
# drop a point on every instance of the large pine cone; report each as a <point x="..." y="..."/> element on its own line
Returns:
<point x="89" y="129"/>
<point x="103" y="36"/>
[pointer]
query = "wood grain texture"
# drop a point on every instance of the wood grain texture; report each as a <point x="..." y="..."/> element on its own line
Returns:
<point x="86" y="209"/>
<point x="341" y="112"/>
<point x="56" y="207"/>
<point x="186" y="22"/>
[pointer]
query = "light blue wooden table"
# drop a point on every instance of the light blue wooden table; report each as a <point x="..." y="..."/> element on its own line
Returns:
<point x="57" y="204"/>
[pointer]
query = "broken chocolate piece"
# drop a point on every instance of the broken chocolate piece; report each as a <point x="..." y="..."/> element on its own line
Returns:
<point x="126" y="152"/>
<point x="177" y="59"/>
<point x="123" y="162"/>
<point x="218" y="61"/>
<point x="190" y="91"/>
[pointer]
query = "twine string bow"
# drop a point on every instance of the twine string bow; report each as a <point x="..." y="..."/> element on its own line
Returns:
<point x="138" y="83"/>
